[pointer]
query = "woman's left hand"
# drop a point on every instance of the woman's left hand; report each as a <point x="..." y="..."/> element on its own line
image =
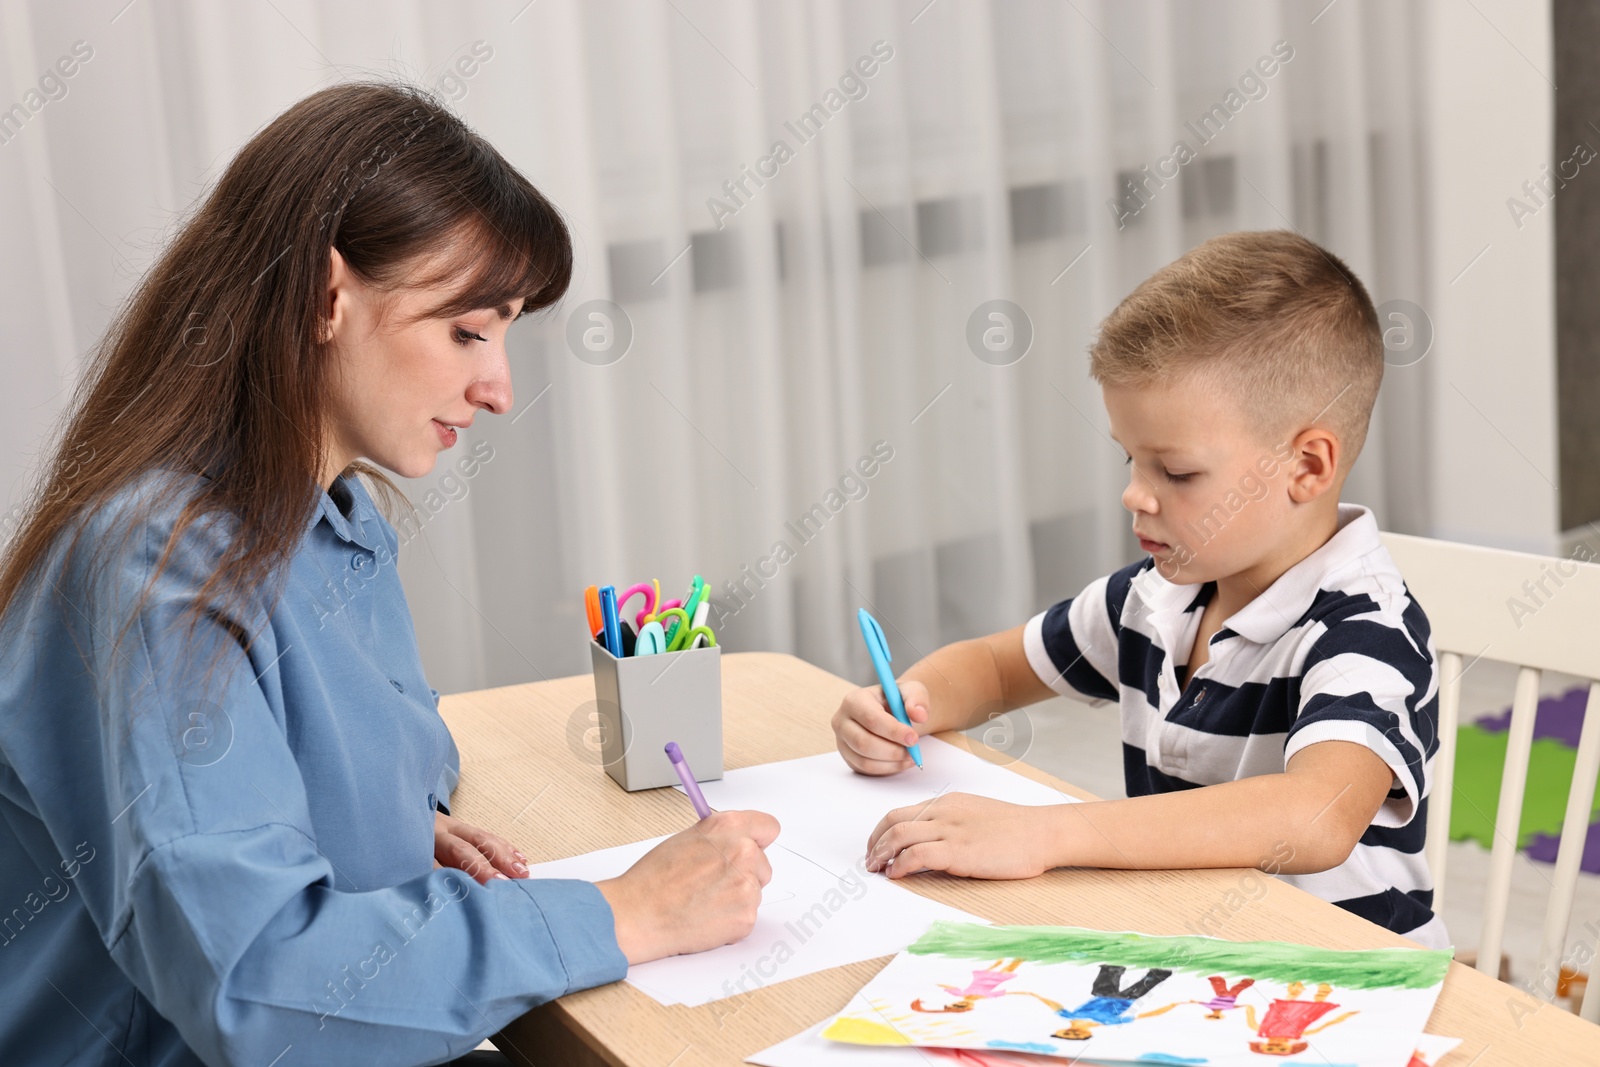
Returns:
<point x="481" y="854"/>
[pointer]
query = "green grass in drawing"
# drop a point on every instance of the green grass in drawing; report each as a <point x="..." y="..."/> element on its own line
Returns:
<point x="1393" y="968"/>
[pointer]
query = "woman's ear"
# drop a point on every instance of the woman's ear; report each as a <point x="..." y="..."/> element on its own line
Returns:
<point x="334" y="315"/>
<point x="1314" y="468"/>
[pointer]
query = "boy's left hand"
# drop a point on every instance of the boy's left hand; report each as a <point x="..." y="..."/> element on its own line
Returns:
<point x="481" y="854"/>
<point x="966" y="835"/>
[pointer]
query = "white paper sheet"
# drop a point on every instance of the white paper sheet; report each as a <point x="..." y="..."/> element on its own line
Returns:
<point x="827" y="811"/>
<point x="822" y="909"/>
<point x="810" y="1049"/>
<point x="812" y="917"/>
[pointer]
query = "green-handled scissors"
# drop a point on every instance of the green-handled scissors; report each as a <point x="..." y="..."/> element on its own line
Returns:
<point x="660" y="619"/>
<point x="697" y="592"/>
<point x="683" y="632"/>
<point x="687" y="636"/>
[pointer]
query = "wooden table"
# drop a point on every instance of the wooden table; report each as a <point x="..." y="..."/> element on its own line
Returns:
<point x="530" y="771"/>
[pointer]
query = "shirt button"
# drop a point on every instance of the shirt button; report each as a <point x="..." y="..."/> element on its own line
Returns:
<point x="398" y="688"/>
<point x="358" y="560"/>
<point x="1201" y="695"/>
<point x="433" y="802"/>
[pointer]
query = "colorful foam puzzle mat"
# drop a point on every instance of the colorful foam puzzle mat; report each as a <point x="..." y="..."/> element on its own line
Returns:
<point x="1480" y="762"/>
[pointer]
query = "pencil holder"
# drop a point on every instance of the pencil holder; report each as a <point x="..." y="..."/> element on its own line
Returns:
<point x="646" y="701"/>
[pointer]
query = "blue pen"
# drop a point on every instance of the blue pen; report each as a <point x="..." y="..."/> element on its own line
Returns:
<point x="608" y="617"/>
<point x="878" y="648"/>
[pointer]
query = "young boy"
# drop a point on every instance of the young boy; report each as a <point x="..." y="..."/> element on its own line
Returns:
<point x="1277" y="682"/>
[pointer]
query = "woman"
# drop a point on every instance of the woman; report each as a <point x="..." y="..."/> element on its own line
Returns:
<point x="223" y="805"/>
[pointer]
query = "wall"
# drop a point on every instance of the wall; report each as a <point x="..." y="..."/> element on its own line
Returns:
<point x="1488" y="116"/>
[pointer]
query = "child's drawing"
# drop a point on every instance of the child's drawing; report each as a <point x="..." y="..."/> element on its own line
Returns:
<point x="1224" y="997"/>
<point x="1289" y="1021"/>
<point x="1139" y="998"/>
<point x="985" y="985"/>
<point x="1110" y="1001"/>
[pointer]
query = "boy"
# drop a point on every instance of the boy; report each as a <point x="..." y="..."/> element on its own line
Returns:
<point x="1278" y="685"/>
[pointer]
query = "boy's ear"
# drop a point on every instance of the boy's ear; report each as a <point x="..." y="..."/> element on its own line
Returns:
<point x="1314" y="468"/>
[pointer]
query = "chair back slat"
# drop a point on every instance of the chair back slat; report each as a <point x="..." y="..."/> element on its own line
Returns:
<point x="1590" y="1009"/>
<point x="1574" y="837"/>
<point x="1507" y="820"/>
<point x="1437" y="848"/>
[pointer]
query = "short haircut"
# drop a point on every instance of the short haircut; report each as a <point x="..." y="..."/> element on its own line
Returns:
<point x="1268" y="318"/>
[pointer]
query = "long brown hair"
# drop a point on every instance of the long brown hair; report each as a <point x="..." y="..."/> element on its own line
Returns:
<point x="217" y="364"/>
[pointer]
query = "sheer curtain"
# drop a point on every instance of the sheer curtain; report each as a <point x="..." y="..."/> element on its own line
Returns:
<point x="779" y="365"/>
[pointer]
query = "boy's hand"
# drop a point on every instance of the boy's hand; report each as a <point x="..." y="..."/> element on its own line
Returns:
<point x="481" y="854"/>
<point x="973" y="837"/>
<point x="873" y="741"/>
<point x="698" y="889"/>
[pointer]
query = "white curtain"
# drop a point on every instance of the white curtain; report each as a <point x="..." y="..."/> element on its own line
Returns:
<point x="790" y="336"/>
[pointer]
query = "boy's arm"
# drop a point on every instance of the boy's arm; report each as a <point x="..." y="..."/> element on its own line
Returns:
<point x="1356" y="756"/>
<point x="968" y="681"/>
<point x="952" y="688"/>
<point x="1306" y="819"/>
<point x="1070" y="649"/>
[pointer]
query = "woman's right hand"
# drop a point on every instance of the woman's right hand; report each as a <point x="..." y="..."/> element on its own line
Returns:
<point x="873" y="741"/>
<point x="698" y="889"/>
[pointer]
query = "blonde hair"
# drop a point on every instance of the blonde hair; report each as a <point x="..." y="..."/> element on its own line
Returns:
<point x="1270" y="319"/>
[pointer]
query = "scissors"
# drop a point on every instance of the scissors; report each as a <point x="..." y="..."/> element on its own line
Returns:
<point x="651" y="593"/>
<point x="652" y="640"/>
<point x="690" y="605"/>
<point x="689" y="635"/>
<point x="675" y="614"/>
<point x="698" y="630"/>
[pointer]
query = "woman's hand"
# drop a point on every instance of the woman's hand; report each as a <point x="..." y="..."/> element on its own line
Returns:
<point x="696" y="890"/>
<point x="973" y="837"/>
<point x="873" y="741"/>
<point x="481" y="854"/>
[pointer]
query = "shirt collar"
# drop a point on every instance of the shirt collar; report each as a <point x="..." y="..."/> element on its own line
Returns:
<point x="1270" y="615"/>
<point x="360" y="527"/>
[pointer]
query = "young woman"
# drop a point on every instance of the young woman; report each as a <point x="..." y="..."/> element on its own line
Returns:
<point x="224" y="834"/>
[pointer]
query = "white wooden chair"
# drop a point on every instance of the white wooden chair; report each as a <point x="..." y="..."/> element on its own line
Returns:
<point x="1467" y="593"/>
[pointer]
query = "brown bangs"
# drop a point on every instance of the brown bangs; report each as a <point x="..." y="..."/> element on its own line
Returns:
<point x="514" y="244"/>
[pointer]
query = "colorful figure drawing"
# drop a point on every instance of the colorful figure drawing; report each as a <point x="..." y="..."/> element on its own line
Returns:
<point x="984" y="986"/>
<point x="1226" y="998"/>
<point x="1109" y="1004"/>
<point x="1287" y="1022"/>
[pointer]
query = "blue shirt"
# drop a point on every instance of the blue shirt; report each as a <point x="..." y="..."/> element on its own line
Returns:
<point x="242" y="870"/>
<point x="1108" y="1011"/>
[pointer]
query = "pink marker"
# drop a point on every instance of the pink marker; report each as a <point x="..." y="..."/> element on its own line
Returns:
<point x="686" y="776"/>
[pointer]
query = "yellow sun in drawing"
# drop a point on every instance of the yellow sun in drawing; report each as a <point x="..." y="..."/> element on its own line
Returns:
<point x="864" y="1032"/>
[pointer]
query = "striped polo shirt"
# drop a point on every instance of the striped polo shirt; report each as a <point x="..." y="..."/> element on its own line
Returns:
<point x="1334" y="650"/>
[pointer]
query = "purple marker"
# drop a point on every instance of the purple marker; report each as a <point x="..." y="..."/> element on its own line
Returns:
<point x="685" y="775"/>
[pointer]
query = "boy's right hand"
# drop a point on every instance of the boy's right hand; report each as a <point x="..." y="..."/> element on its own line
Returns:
<point x="698" y="889"/>
<point x="870" y="738"/>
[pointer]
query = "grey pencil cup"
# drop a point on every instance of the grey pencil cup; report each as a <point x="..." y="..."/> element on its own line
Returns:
<point x="645" y="701"/>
